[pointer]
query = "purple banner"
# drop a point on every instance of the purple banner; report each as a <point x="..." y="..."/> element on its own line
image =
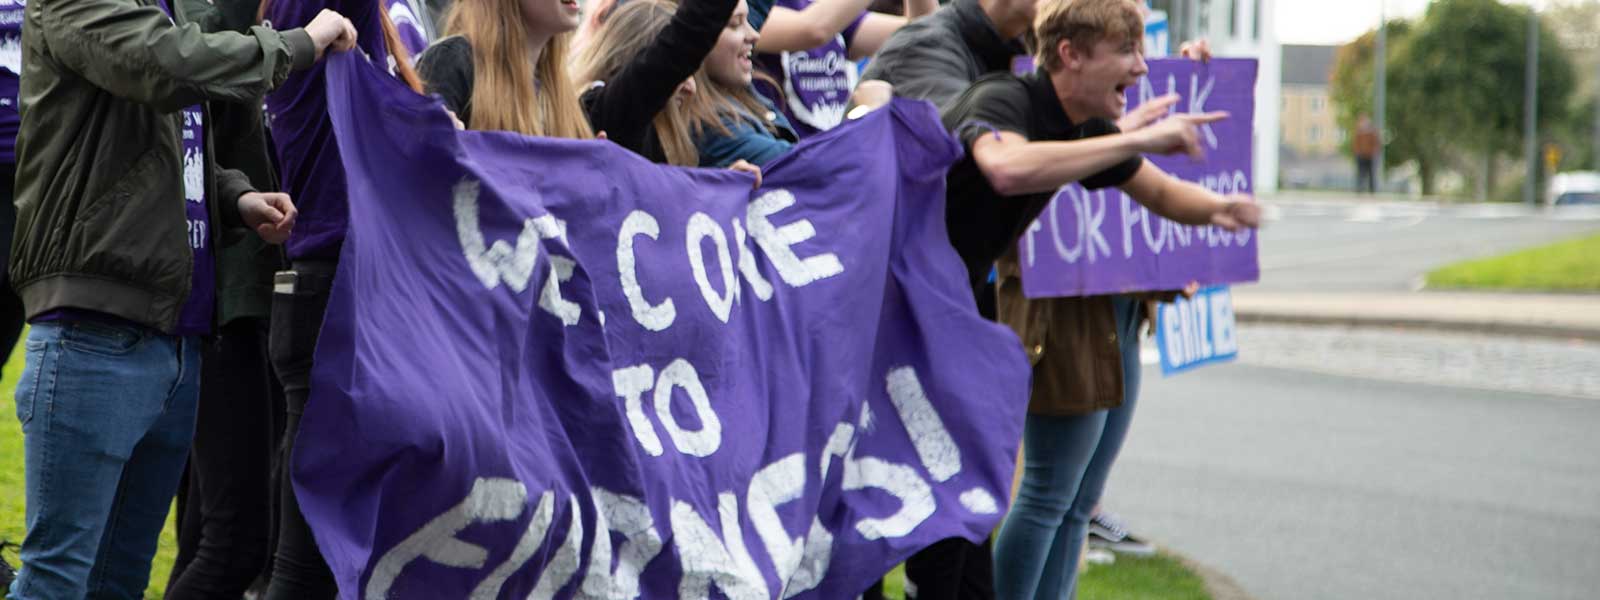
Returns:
<point x="1102" y="242"/>
<point x="551" y="369"/>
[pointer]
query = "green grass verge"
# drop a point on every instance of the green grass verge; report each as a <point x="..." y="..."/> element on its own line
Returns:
<point x="1160" y="577"/>
<point x="1570" y="266"/>
<point x="12" y="523"/>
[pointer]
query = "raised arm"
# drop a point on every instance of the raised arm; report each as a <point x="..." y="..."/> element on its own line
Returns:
<point x="876" y="28"/>
<point x="137" y="53"/>
<point x="627" y="105"/>
<point x="788" y="30"/>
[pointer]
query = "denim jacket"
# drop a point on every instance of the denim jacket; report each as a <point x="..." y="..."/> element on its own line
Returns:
<point x="751" y="139"/>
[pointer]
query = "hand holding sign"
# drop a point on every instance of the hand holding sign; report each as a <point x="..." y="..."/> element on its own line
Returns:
<point x="331" y="30"/>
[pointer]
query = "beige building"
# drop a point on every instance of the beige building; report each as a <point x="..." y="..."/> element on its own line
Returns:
<point x="1310" y="125"/>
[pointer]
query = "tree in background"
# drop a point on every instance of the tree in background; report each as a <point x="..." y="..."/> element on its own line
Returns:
<point x="1576" y="25"/>
<point x="1455" y="88"/>
<point x="1352" y="87"/>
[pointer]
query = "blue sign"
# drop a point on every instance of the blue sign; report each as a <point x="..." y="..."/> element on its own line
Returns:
<point x="1197" y="331"/>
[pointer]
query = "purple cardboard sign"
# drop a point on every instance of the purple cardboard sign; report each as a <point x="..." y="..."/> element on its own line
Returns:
<point x="552" y="369"/>
<point x="1088" y="243"/>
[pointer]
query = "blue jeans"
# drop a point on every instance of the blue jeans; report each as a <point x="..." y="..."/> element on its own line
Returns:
<point x="1066" y="461"/>
<point x="107" y="414"/>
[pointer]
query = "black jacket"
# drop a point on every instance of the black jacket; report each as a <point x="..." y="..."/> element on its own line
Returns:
<point x="937" y="57"/>
<point x="625" y="107"/>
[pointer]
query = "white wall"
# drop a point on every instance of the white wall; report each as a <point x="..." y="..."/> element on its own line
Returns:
<point x="1266" y="51"/>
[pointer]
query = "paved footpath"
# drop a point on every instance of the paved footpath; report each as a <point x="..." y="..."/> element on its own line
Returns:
<point x="1551" y="315"/>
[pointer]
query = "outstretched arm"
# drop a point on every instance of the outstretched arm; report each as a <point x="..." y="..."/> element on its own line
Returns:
<point x="1188" y="203"/>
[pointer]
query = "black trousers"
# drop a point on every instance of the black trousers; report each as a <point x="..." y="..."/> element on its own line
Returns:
<point x="11" y="312"/>
<point x="225" y="504"/>
<point x="951" y="569"/>
<point x="298" y="570"/>
<point x="1366" y="178"/>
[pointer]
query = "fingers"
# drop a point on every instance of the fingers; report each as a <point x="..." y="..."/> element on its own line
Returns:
<point x="285" y="208"/>
<point x="272" y="235"/>
<point x="600" y="136"/>
<point x="745" y="167"/>
<point x="271" y="215"/>
<point x="347" y="36"/>
<point x="1203" y="118"/>
<point x="1162" y="104"/>
<point x="1196" y="50"/>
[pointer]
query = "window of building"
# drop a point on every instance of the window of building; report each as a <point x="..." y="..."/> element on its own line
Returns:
<point x="1316" y="104"/>
<point x="1315" y="134"/>
<point x="1233" y="19"/>
<point x="1255" y="20"/>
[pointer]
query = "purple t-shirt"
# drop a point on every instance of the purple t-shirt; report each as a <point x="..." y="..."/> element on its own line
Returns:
<point x="195" y="318"/>
<point x="10" y="76"/>
<point x="297" y="112"/>
<point x="816" y="83"/>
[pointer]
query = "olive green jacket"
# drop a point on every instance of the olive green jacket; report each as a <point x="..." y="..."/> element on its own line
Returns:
<point x="99" y="193"/>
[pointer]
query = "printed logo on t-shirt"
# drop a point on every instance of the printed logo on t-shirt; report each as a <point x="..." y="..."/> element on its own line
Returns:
<point x="194" y="157"/>
<point x="11" y="15"/>
<point x="817" y="83"/>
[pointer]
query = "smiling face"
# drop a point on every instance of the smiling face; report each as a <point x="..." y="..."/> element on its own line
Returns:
<point x="1100" y="78"/>
<point x="729" y="63"/>
<point x="546" y="18"/>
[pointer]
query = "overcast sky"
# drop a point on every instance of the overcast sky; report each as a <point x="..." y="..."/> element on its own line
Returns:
<point x="1337" y="22"/>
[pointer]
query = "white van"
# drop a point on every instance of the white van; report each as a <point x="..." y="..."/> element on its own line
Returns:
<point x="1574" y="188"/>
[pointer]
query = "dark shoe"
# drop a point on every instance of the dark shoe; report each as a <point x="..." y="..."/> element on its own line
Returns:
<point x="1107" y="531"/>
<point x="7" y="574"/>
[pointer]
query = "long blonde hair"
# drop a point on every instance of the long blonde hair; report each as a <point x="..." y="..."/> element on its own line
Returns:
<point x="510" y="93"/>
<point x="630" y="29"/>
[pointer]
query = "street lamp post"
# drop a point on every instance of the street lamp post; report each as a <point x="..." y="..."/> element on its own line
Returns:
<point x="1382" y="83"/>
<point x="1530" y="112"/>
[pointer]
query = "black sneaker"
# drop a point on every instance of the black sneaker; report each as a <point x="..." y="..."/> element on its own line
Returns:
<point x="7" y="574"/>
<point x="1107" y="531"/>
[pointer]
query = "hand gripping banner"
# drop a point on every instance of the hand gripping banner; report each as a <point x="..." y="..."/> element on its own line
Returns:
<point x="551" y="369"/>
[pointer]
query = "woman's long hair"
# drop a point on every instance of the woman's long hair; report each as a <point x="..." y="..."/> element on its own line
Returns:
<point x="391" y="42"/>
<point x="509" y="92"/>
<point x="631" y="28"/>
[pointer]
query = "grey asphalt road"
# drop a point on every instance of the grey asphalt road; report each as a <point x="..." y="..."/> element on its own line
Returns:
<point x="1380" y="247"/>
<point x="1330" y="477"/>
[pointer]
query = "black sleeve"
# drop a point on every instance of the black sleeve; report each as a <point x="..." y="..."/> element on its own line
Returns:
<point x="446" y="71"/>
<point x="993" y="104"/>
<point x="627" y="105"/>
<point x="1119" y="173"/>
